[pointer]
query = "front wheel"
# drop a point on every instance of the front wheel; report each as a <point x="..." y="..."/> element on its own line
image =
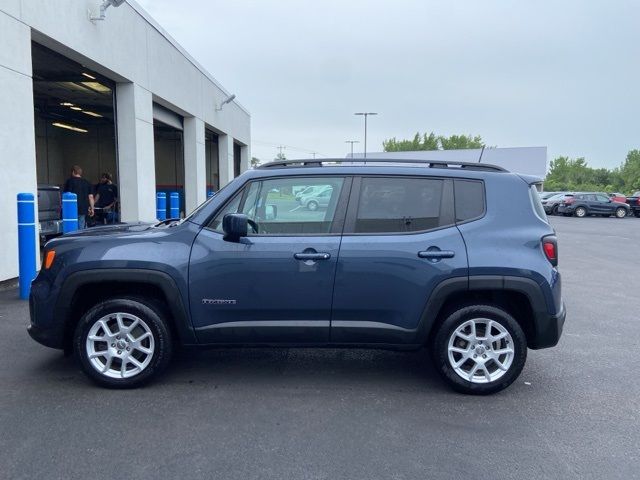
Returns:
<point x="312" y="205"/>
<point x="621" y="212"/>
<point x="123" y="342"/>
<point x="479" y="349"/>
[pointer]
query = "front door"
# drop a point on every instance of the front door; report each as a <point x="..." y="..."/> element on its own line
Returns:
<point x="276" y="284"/>
<point x="399" y="242"/>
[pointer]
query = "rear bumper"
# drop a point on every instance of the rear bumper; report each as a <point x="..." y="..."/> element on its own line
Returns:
<point x="549" y="329"/>
<point x="565" y="209"/>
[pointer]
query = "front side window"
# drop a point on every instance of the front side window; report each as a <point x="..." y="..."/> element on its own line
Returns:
<point x="397" y="204"/>
<point x="286" y="206"/>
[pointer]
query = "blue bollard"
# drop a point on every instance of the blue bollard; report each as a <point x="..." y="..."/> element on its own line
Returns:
<point x="69" y="212"/>
<point x="161" y="206"/>
<point x="210" y="193"/>
<point x="26" y="242"/>
<point x="174" y="207"/>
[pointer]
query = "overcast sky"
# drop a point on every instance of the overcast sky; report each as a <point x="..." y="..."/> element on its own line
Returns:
<point x="564" y="74"/>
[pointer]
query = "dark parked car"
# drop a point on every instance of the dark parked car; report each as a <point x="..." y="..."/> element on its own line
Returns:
<point x="402" y="257"/>
<point x="49" y="211"/>
<point x="583" y="204"/>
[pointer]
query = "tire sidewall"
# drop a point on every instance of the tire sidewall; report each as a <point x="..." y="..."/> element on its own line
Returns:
<point x="620" y="209"/>
<point x="581" y="209"/>
<point x="150" y="314"/>
<point x="440" y="346"/>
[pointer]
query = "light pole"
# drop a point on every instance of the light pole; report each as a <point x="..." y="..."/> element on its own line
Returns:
<point x="351" y="142"/>
<point x="365" y="114"/>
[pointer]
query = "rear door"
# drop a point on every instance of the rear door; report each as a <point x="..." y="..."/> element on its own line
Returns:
<point x="604" y="204"/>
<point x="399" y="242"/>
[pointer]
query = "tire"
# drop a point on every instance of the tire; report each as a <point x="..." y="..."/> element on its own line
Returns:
<point x="621" y="212"/>
<point x="149" y="342"/>
<point x="554" y="210"/>
<point x="312" y="205"/>
<point x="637" y="213"/>
<point x="580" y="212"/>
<point x="493" y="379"/>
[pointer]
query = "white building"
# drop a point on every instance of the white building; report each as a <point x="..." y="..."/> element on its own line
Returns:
<point x="117" y="95"/>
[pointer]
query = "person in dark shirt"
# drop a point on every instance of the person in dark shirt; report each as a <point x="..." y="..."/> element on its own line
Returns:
<point x="83" y="190"/>
<point x="106" y="198"/>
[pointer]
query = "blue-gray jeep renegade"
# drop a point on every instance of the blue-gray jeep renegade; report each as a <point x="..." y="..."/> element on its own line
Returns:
<point x="458" y="257"/>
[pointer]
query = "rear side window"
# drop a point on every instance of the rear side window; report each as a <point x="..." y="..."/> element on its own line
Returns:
<point x="470" y="202"/>
<point x="537" y="204"/>
<point x="398" y="205"/>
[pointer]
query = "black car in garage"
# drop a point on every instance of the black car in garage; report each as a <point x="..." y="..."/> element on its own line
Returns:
<point x="49" y="211"/>
<point x="592" y="203"/>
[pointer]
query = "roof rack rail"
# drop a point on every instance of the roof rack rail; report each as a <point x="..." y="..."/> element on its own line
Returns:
<point x="413" y="161"/>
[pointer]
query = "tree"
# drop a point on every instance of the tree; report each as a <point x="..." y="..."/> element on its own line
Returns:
<point x="281" y="156"/>
<point x="431" y="141"/>
<point x="255" y="162"/>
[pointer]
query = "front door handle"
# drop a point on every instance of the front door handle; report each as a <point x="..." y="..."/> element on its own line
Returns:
<point x="312" y="256"/>
<point x="436" y="254"/>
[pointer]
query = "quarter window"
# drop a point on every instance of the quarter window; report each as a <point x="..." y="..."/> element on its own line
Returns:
<point x="388" y="205"/>
<point x="287" y="206"/>
<point x="469" y="199"/>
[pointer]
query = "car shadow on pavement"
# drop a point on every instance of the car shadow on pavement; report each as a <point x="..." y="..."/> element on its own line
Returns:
<point x="274" y="366"/>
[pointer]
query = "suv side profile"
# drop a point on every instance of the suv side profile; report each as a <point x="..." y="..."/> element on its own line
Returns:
<point x="592" y="203"/>
<point x="403" y="256"/>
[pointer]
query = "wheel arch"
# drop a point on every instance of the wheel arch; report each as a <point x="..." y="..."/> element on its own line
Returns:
<point x="81" y="290"/>
<point x="520" y="297"/>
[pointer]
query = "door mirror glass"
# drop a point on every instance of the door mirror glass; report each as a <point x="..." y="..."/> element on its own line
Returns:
<point x="234" y="226"/>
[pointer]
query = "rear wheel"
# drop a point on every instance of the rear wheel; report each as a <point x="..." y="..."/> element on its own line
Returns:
<point x="123" y="342"/>
<point x="312" y="205"/>
<point x="479" y="349"/>
<point x="621" y="212"/>
<point x="554" y="210"/>
<point x="580" y="212"/>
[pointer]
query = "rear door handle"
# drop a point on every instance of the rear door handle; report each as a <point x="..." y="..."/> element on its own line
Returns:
<point x="436" y="254"/>
<point x="312" y="256"/>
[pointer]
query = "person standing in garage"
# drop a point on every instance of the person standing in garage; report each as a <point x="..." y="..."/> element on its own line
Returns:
<point x="105" y="200"/>
<point x="83" y="190"/>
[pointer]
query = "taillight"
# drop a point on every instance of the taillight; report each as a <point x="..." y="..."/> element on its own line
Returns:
<point x="550" y="248"/>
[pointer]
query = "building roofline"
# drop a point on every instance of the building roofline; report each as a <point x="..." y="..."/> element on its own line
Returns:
<point x="149" y="19"/>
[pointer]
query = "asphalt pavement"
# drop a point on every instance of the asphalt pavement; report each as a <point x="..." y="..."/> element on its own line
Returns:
<point x="574" y="413"/>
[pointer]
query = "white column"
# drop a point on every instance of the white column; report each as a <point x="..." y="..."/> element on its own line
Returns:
<point x="136" y="163"/>
<point x="17" y="135"/>
<point x="245" y="158"/>
<point x="225" y="156"/>
<point x="195" y="172"/>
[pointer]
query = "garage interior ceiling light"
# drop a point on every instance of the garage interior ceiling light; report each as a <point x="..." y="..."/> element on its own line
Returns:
<point x="96" y="86"/>
<point x="88" y="76"/>
<point x="67" y="104"/>
<point x="69" y="127"/>
<point x="77" y="109"/>
<point x="92" y="114"/>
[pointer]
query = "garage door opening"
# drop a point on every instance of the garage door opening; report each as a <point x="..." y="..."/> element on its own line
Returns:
<point x="74" y="119"/>
<point x="169" y="159"/>
<point x="212" y="165"/>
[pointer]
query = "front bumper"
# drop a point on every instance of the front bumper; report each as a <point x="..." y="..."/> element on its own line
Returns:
<point x="44" y="327"/>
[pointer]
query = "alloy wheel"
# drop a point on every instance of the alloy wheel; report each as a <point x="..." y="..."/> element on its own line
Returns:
<point x="480" y="350"/>
<point x="120" y="345"/>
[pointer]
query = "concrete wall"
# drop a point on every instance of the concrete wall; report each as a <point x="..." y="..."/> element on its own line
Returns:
<point x="147" y="65"/>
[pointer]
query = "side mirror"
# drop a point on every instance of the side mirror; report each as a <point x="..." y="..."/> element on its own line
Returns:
<point x="271" y="212"/>
<point x="234" y="226"/>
